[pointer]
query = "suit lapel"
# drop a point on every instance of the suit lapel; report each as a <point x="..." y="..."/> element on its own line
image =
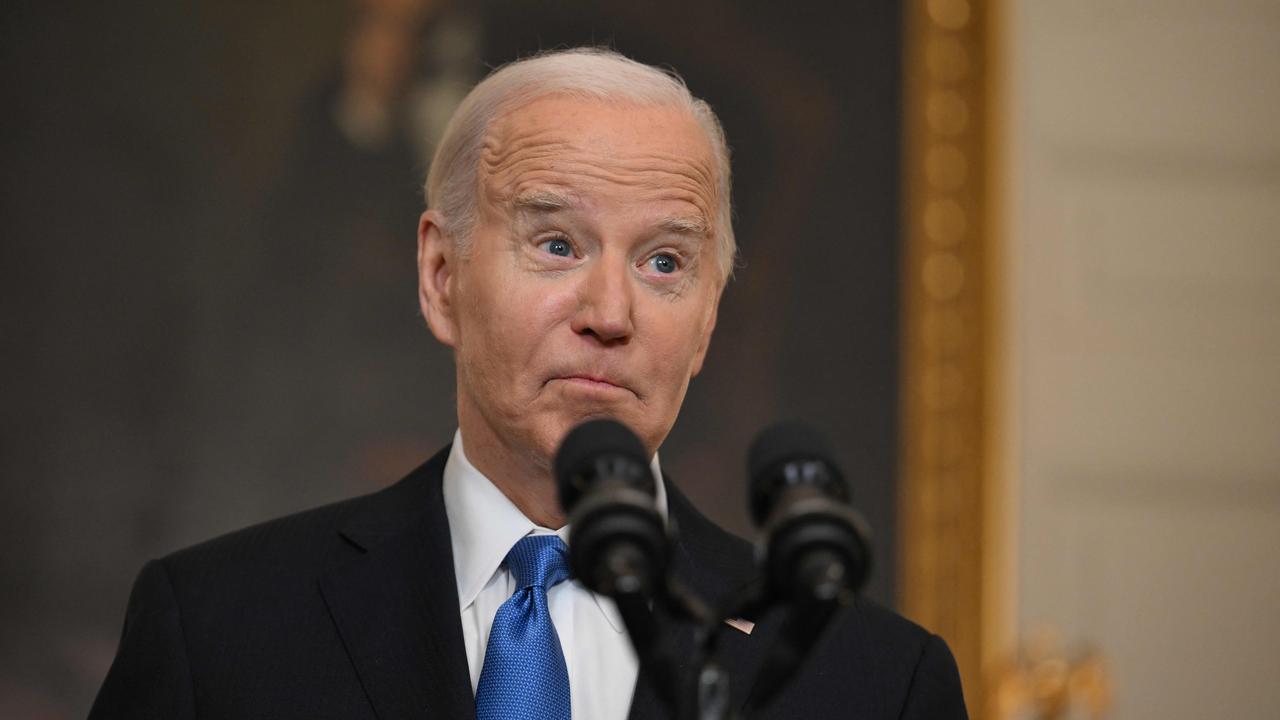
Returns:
<point x="394" y="601"/>
<point x="646" y="704"/>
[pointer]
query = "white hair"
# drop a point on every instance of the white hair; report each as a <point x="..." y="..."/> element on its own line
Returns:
<point x="589" y="73"/>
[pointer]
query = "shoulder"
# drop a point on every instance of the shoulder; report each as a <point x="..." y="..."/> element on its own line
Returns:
<point x="874" y="657"/>
<point x="869" y="657"/>
<point x="916" y="664"/>
<point x="886" y="628"/>
<point x="708" y="547"/>
<point x="301" y="538"/>
<point x="296" y="549"/>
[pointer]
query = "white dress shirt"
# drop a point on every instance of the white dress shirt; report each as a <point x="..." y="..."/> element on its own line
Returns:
<point x="484" y="525"/>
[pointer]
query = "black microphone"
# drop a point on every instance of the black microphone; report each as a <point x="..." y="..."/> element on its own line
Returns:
<point x="617" y="541"/>
<point x="815" y="547"/>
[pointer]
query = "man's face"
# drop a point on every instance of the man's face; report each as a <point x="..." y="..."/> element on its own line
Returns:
<point x="591" y="283"/>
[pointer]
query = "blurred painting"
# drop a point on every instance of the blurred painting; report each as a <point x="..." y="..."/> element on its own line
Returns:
<point x="208" y="260"/>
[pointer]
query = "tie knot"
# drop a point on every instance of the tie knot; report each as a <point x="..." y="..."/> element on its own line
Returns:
<point x="539" y="560"/>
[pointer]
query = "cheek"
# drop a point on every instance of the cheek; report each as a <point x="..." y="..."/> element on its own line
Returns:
<point x="683" y="325"/>
<point x="510" y="322"/>
<point x="676" y="339"/>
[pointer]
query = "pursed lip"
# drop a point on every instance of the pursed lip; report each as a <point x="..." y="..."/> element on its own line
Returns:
<point x="599" y="382"/>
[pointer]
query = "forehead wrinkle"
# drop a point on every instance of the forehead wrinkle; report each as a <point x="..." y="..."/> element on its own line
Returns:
<point x="499" y="148"/>
<point x="548" y="189"/>
<point x="672" y="186"/>
<point x="526" y="161"/>
<point x="512" y="135"/>
<point x="655" y="175"/>
<point x="697" y="170"/>
<point x="499" y="156"/>
<point x="654" y="162"/>
<point x="496" y="157"/>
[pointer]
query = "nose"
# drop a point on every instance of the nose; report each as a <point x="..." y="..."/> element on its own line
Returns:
<point x="605" y="302"/>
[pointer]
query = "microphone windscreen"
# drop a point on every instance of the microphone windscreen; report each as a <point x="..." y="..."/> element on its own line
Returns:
<point x="785" y="442"/>
<point x="593" y="439"/>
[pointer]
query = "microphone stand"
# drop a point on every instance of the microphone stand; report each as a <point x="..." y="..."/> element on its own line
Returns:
<point x="652" y="644"/>
<point x="807" y="611"/>
<point x="712" y="693"/>
<point x="648" y="620"/>
<point x="706" y="694"/>
<point x="801" y="628"/>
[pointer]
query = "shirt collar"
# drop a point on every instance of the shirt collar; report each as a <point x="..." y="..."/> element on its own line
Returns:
<point x="484" y="524"/>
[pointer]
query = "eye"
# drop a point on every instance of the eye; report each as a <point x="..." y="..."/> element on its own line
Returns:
<point x="557" y="246"/>
<point x="664" y="263"/>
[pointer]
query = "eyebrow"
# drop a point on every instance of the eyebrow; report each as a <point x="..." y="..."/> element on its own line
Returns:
<point x="685" y="225"/>
<point x="541" y="201"/>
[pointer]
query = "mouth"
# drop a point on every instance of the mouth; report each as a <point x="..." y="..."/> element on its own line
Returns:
<point x="593" y="384"/>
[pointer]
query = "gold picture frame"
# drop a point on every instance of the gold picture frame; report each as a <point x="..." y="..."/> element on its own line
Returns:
<point x="954" y="563"/>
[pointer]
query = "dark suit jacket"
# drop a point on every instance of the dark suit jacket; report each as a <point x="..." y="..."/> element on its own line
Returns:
<point x="351" y="611"/>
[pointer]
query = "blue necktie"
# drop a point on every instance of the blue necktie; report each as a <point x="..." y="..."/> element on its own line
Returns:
<point x="524" y="674"/>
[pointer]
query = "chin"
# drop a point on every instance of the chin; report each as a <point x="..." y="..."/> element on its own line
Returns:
<point x="546" y="436"/>
<point x="552" y="424"/>
<point x="555" y="429"/>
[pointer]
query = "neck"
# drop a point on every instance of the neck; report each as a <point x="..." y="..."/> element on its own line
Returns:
<point x="525" y="477"/>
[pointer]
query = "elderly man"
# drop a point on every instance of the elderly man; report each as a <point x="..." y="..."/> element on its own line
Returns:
<point x="573" y="256"/>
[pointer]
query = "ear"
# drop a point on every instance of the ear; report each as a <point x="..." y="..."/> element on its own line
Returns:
<point x="705" y="342"/>
<point x="437" y="262"/>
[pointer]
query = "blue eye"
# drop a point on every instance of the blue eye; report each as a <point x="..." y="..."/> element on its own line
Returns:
<point x="557" y="246"/>
<point x="663" y="263"/>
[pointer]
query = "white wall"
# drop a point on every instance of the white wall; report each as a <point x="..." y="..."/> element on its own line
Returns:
<point x="1141" y="203"/>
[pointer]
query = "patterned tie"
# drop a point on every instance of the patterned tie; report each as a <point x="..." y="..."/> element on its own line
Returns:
<point x="524" y="674"/>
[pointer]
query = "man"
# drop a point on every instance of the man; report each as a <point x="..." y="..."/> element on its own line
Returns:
<point x="573" y="256"/>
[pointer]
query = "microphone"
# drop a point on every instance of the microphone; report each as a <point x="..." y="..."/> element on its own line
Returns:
<point x="815" y="547"/>
<point x="617" y="541"/>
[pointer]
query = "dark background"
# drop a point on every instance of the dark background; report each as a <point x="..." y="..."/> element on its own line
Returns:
<point x="209" y="314"/>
